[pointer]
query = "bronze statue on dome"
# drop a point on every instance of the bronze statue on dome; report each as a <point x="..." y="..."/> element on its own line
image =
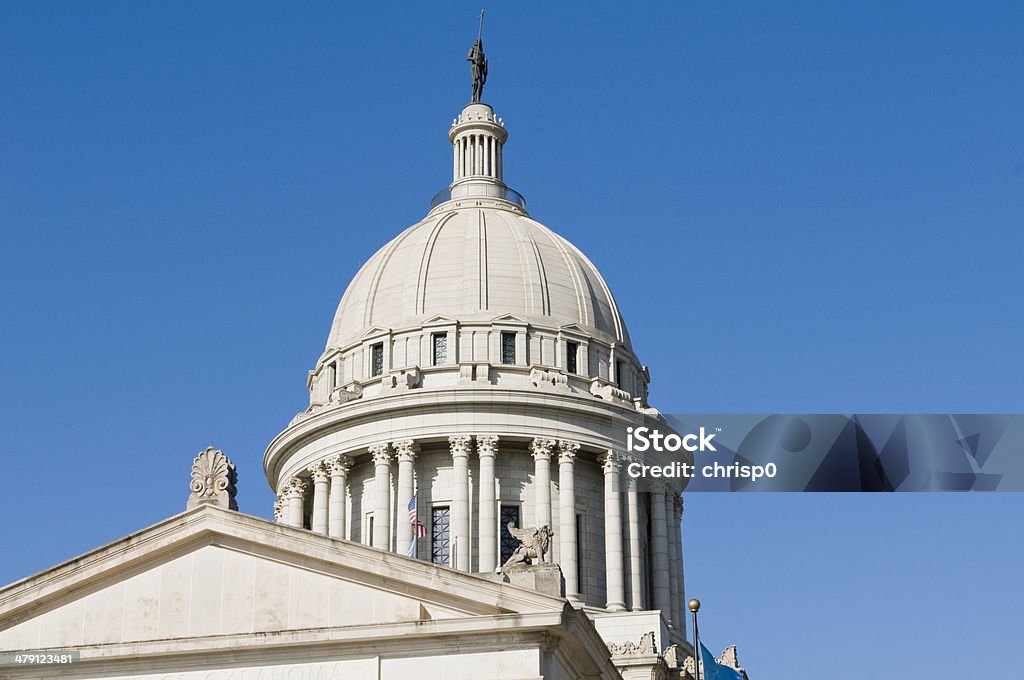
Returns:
<point x="478" y="63"/>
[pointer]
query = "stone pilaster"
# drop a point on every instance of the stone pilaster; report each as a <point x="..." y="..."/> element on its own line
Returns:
<point x="320" y="476"/>
<point x="487" y="450"/>
<point x="338" y="466"/>
<point x="613" y="534"/>
<point x="460" y="446"/>
<point x="567" y="547"/>
<point x="406" y="451"/>
<point x="381" y="454"/>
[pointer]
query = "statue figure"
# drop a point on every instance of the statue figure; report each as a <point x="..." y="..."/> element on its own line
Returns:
<point x="533" y="543"/>
<point x="478" y="64"/>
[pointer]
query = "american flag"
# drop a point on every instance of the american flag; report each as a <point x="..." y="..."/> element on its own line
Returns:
<point x="421" y="528"/>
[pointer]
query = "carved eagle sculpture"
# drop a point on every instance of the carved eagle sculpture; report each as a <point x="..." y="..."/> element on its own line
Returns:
<point x="533" y="543"/>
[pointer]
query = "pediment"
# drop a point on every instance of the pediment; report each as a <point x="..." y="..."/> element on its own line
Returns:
<point x="216" y="572"/>
<point x="509" y="319"/>
<point x="574" y="328"/>
<point x="439" y="319"/>
<point x="373" y="331"/>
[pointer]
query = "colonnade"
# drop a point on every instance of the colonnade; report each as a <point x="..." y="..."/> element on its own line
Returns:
<point x="623" y="526"/>
<point x="477" y="154"/>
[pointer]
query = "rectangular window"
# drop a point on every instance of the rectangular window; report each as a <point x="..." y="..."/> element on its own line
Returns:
<point x="440" y="527"/>
<point x="572" y="350"/>
<point x="377" y="359"/>
<point x="368" y="523"/>
<point x="440" y="341"/>
<point x="620" y="368"/>
<point x="508" y="347"/>
<point x="509" y="513"/>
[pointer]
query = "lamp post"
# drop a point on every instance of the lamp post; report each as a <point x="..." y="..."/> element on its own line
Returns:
<point x="694" y="606"/>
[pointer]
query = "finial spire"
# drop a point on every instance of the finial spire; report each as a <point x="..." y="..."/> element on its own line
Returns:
<point x="478" y="63"/>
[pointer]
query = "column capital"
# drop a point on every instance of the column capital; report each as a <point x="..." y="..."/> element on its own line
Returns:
<point x="460" y="444"/>
<point x="659" y="486"/>
<point x="338" y="465"/>
<point x="541" y="448"/>
<point x="487" y="445"/>
<point x="406" y="450"/>
<point x="381" y="453"/>
<point x="567" y="450"/>
<point x="318" y="471"/>
<point x="677" y="505"/>
<point x="610" y="462"/>
<point x="294" y="488"/>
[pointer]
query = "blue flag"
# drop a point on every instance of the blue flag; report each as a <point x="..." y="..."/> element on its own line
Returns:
<point x="714" y="670"/>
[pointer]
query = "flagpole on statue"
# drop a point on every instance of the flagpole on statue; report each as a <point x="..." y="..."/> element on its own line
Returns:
<point x="694" y="606"/>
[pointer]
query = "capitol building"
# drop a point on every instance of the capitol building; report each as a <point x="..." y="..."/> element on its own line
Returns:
<point x="452" y="503"/>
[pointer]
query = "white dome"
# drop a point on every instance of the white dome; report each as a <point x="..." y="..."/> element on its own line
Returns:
<point x="474" y="260"/>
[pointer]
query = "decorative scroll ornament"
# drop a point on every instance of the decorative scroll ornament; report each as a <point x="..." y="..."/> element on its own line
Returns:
<point x="643" y="648"/>
<point x="213" y="480"/>
<point x="533" y="544"/>
<point x="689" y="671"/>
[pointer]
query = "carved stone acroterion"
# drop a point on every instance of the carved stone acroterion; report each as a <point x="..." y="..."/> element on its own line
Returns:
<point x="213" y="480"/>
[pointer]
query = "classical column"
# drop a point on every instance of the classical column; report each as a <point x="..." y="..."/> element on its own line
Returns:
<point x="636" y="597"/>
<point x="279" y="509"/>
<point x="567" y="451"/>
<point x="487" y="449"/>
<point x="672" y="527"/>
<point x="659" y="553"/>
<point x="613" y="534"/>
<point x="460" y="500"/>
<point x="406" y="451"/>
<point x="293" y="493"/>
<point x="677" y="555"/>
<point x="318" y="471"/>
<point x="541" y="449"/>
<point x="381" y="495"/>
<point x="338" y="466"/>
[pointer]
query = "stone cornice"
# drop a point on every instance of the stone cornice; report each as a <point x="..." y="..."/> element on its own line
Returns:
<point x="569" y="416"/>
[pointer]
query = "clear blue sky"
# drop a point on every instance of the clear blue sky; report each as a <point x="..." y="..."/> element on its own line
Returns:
<point x="806" y="207"/>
